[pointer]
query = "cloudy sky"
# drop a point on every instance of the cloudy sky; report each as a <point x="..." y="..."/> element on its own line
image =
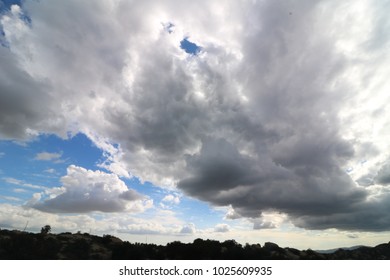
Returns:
<point x="173" y="120"/>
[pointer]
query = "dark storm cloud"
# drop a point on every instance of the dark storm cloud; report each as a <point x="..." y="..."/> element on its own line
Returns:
<point x="218" y="167"/>
<point x="295" y="166"/>
<point x="223" y="176"/>
<point x="383" y="176"/>
<point x="369" y="215"/>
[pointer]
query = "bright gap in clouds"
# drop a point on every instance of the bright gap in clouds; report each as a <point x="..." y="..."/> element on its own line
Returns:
<point x="42" y="161"/>
<point x="185" y="44"/>
<point x="190" y="47"/>
<point x="6" y="4"/>
<point x="11" y="6"/>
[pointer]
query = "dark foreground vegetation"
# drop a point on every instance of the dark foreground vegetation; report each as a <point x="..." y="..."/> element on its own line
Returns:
<point x="15" y="245"/>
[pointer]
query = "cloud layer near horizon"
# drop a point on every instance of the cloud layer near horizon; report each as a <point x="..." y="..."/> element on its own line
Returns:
<point x="283" y="99"/>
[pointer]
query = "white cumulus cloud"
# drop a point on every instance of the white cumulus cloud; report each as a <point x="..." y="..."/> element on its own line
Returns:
<point x="85" y="191"/>
<point x="171" y="199"/>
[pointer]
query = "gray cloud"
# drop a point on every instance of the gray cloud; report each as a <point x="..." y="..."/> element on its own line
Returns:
<point x="353" y="236"/>
<point x="48" y="156"/>
<point x="130" y="195"/>
<point x="366" y="216"/>
<point x="188" y="229"/>
<point x="218" y="166"/>
<point x="222" y="228"/>
<point x="383" y="176"/>
<point x="261" y="119"/>
<point x="20" y="111"/>
<point x="366" y="180"/>
<point x="260" y="224"/>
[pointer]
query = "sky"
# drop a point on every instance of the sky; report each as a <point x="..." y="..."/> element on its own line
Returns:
<point x="157" y="121"/>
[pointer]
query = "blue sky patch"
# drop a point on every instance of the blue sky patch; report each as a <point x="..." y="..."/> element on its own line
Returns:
<point x="5" y="5"/>
<point x="38" y="165"/>
<point x="44" y="161"/>
<point x="189" y="47"/>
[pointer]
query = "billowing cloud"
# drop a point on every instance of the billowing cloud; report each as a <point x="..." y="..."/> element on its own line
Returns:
<point x="231" y="214"/>
<point x="222" y="228"/>
<point x="87" y="191"/>
<point x="261" y="224"/>
<point x="188" y="229"/>
<point x="383" y="176"/>
<point x="27" y="107"/>
<point x="281" y="99"/>
<point x="172" y="199"/>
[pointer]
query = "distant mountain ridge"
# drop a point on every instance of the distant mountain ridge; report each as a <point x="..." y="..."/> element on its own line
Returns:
<point x="16" y="245"/>
<point x="330" y="251"/>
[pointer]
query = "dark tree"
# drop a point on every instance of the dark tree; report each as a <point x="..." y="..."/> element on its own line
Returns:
<point x="46" y="229"/>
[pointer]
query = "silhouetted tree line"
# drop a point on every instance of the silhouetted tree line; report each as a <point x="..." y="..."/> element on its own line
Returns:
<point x="23" y="245"/>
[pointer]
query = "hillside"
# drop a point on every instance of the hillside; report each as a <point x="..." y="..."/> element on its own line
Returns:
<point x="15" y="245"/>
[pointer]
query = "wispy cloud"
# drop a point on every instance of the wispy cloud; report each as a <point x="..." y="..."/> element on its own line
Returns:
<point x="19" y="190"/>
<point x="23" y="184"/>
<point x="48" y="156"/>
<point x="50" y="170"/>
<point x="10" y="198"/>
